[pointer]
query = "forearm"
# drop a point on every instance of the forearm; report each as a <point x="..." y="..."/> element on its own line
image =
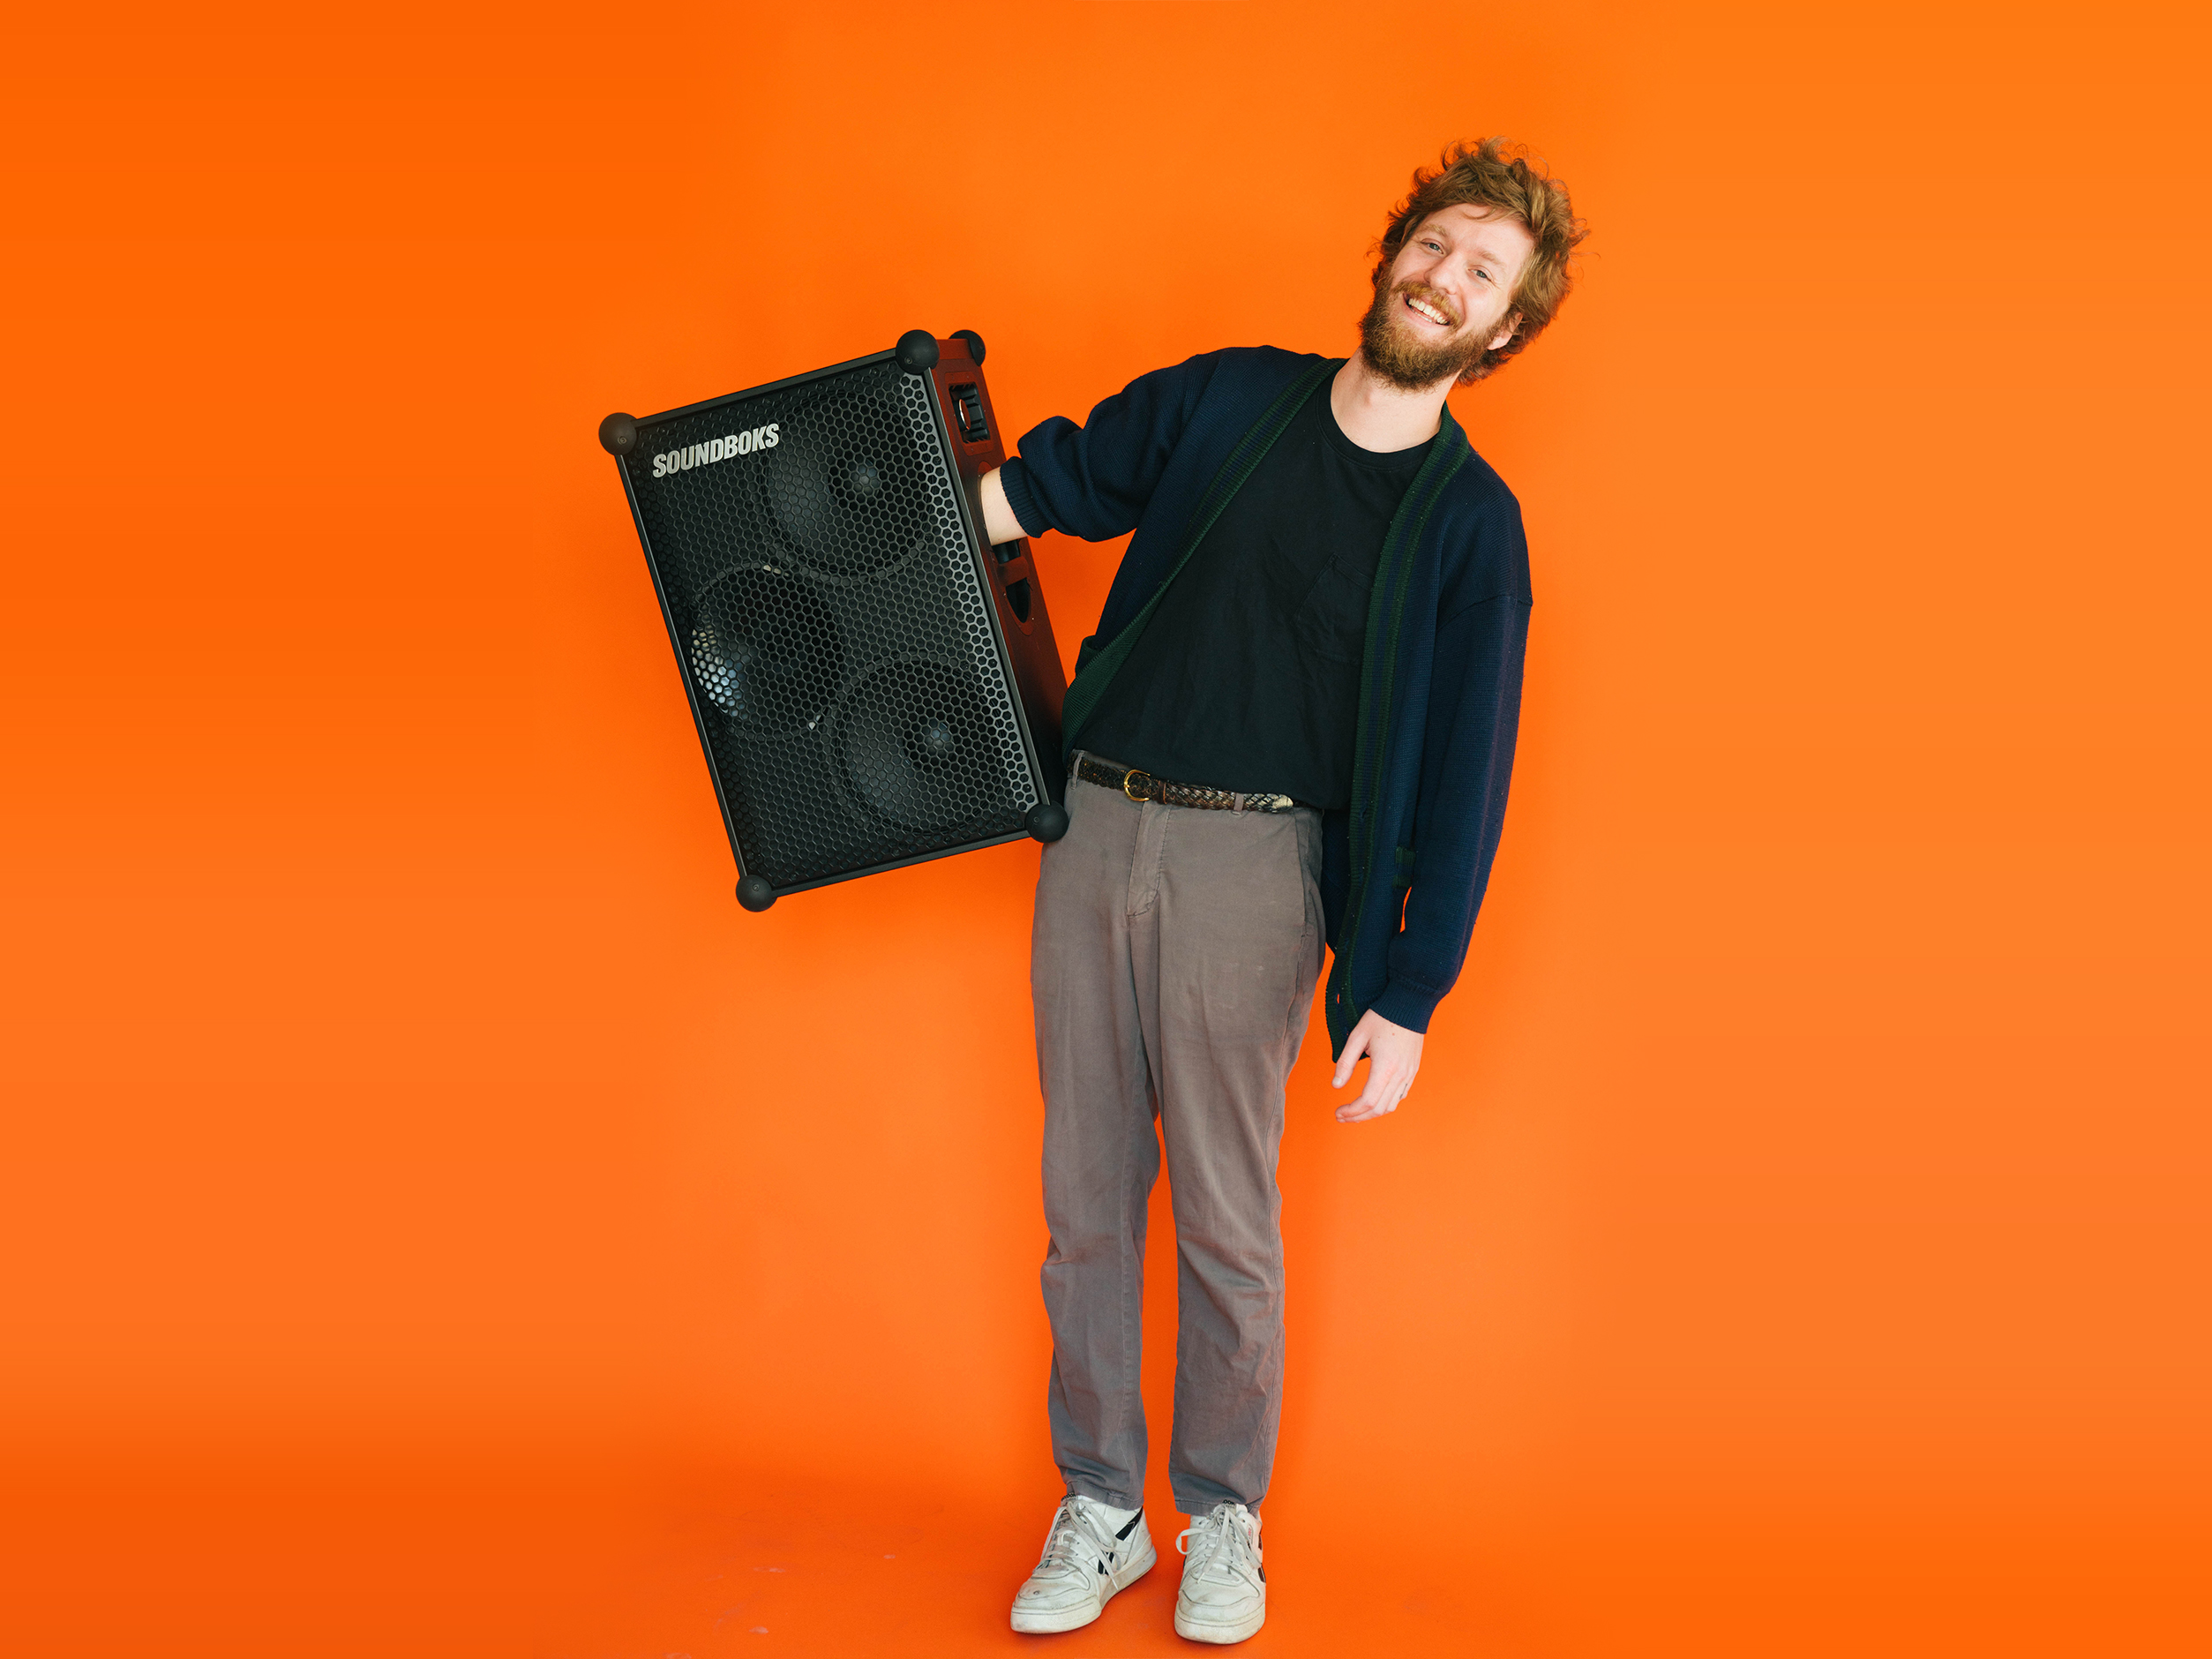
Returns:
<point x="999" y="522"/>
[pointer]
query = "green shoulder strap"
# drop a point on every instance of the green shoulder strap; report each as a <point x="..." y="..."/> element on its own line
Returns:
<point x="1091" y="682"/>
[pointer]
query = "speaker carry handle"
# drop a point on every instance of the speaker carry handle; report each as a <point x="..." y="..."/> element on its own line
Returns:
<point x="1011" y="565"/>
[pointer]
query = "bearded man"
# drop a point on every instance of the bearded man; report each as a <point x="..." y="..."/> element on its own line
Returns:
<point x="1294" y="725"/>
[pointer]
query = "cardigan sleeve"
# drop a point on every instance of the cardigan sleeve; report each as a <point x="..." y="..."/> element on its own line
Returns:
<point x="1466" y="762"/>
<point x="1092" y="481"/>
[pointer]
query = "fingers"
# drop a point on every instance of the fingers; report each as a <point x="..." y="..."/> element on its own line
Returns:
<point x="1363" y="1105"/>
<point x="1386" y="1087"/>
<point x="1353" y="1048"/>
<point x="1390" y="1068"/>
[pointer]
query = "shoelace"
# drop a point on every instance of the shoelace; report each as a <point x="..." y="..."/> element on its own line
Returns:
<point x="1219" y="1533"/>
<point x="1067" y="1541"/>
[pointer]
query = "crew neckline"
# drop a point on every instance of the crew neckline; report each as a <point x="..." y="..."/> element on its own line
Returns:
<point x="1388" y="459"/>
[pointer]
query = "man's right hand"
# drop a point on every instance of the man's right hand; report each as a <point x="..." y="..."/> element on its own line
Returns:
<point x="999" y="522"/>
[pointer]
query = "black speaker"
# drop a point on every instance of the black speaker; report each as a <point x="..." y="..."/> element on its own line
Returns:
<point x="873" y="683"/>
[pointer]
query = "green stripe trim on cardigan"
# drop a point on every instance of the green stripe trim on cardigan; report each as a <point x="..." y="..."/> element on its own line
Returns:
<point x="1385" y="620"/>
<point x="1091" y="680"/>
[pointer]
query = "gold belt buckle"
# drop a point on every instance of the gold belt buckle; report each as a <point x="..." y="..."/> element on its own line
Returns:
<point x="1129" y="777"/>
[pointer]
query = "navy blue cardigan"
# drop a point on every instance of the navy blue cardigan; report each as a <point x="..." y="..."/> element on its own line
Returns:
<point x="1404" y="868"/>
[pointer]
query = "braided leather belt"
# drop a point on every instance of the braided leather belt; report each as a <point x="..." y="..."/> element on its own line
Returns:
<point x="1142" y="785"/>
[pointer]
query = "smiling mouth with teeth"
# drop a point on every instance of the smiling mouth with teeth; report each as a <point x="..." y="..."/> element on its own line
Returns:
<point x="1437" y="309"/>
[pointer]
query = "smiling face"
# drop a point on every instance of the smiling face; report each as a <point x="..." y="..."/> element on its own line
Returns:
<point x="1447" y="298"/>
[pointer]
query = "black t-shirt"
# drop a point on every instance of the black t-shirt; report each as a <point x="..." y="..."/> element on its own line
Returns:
<point x="1246" y="676"/>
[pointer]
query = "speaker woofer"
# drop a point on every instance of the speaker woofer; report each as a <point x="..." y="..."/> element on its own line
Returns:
<point x="764" y="649"/>
<point x="915" y="746"/>
<point x="840" y="485"/>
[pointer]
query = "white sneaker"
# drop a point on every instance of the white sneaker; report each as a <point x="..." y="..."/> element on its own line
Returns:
<point x="1224" y="1596"/>
<point x="1087" y="1562"/>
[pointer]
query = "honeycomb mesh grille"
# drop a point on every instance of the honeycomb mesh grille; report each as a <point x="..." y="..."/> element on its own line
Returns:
<point x="831" y="623"/>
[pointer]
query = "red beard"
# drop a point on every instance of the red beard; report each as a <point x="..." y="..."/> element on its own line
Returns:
<point x="1395" y="352"/>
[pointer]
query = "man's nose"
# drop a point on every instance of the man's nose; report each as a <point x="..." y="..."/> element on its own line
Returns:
<point x="1437" y="281"/>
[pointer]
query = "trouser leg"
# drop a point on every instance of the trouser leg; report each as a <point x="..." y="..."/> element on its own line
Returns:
<point x="1239" y="941"/>
<point x="1101" y="1152"/>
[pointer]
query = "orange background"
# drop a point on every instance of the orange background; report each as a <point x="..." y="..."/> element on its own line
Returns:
<point x="438" y="1219"/>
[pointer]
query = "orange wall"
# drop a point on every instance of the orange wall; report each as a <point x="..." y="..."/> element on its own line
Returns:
<point x="1797" y="1228"/>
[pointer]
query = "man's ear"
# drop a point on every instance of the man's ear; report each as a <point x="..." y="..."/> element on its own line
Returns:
<point x="1507" y="329"/>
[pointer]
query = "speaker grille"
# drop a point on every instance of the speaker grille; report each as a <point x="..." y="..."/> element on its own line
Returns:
<point x="829" y="616"/>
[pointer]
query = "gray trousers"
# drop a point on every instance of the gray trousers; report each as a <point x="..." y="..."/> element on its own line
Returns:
<point x="1172" y="967"/>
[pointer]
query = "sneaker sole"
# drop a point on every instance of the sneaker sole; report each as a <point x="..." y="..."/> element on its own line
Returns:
<point x="1052" y="1623"/>
<point x="1243" y="1629"/>
<point x="1077" y="1618"/>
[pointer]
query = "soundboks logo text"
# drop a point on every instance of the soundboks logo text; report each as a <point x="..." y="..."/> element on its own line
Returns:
<point x="715" y="449"/>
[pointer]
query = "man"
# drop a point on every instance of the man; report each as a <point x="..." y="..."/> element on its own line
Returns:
<point x="1293" y="724"/>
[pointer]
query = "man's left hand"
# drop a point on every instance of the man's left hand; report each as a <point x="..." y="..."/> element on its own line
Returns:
<point x="1393" y="1054"/>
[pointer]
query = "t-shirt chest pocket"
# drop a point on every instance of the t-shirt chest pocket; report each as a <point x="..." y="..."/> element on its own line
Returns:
<point x="1331" y="623"/>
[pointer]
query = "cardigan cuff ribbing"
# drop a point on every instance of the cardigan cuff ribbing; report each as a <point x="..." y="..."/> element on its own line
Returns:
<point x="1406" y="1005"/>
<point x="1015" y="476"/>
